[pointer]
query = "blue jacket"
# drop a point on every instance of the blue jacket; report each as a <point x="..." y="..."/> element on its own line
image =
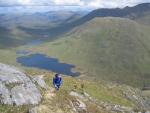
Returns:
<point x="57" y="81"/>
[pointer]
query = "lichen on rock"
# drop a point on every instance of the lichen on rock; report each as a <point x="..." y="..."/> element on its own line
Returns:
<point x="16" y="88"/>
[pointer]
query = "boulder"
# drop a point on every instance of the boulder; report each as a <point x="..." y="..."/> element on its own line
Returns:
<point x="75" y="94"/>
<point x="10" y="74"/>
<point x="33" y="110"/>
<point x="28" y="94"/>
<point x="4" y="94"/>
<point x="16" y="87"/>
<point x="79" y="106"/>
<point x="121" y="109"/>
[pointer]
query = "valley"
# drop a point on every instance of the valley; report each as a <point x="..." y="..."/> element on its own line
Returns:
<point x="103" y="56"/>
<point x="108" y="48"/>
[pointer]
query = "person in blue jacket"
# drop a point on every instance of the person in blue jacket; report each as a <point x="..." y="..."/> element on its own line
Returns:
<point x="57" y="81"/>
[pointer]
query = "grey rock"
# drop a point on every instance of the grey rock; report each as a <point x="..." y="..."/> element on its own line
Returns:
<point x="121" y="109"/>
<point x="10" y="74"/>
<point x="79" y="106"/>
<point x="75" y="94"/>
<point x="4" y="94"/>
<point x="33" y="110"/>
<point x="147" y="112"/>
<point x="135" y="95"/>
<point x="16" y="87"/>
<point x="28" y="94"/>
<point x="39" y="80"/>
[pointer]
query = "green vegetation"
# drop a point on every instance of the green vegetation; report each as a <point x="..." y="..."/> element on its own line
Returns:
<point x="8" y="56"/>
<point x="13" y="109"/>
<point x="103" y="49"/>
<point x="99" y="91"/>
<point x="112" y="49"/>
<point x="144" y="19"/>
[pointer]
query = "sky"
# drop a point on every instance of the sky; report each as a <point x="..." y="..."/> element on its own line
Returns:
<point x="81" y="3"/>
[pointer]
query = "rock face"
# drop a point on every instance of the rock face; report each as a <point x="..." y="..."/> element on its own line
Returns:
<point x="136" y="96"/>
<point x="16" y="88"/>
<point x="4" y="94"/>
<point x="79" y="106"/>
<point x="39" y="80"/>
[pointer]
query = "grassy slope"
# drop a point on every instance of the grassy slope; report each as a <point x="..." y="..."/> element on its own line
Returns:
<point x="145" y="19"/>
<point x="13" y="37"/>
<point x="108" y="48"/>
<point x="99" y="91"/>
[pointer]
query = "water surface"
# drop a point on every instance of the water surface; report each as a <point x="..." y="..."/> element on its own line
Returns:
<point x="43" y="62"/>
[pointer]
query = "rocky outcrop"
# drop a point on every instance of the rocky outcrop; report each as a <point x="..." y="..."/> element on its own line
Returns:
<point x="16" y="88"/>
<point x="135" y="95"/>
<point x="33" y="110"/>
<point x="79" y="106"/>
<point x="4" y="94"/>
<point x="39" y="80"/>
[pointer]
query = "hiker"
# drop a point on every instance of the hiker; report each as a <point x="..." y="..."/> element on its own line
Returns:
<point x="57" y="81"/>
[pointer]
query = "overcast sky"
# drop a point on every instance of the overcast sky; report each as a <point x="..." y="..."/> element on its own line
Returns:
<point x="83" y="3"/>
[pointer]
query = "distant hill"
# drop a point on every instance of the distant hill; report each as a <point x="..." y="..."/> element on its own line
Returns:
<point x="144" y="19"/>
<point x="109" y="44"/>
<point x="36" y="20"/>
<point x="55" y="24"/>
<point x="8" y="38"/>
<point x="113" y="49"/>
<point x="139" y="13"/>
<point x="127" y="12"/>
<point x="20" y="28"/>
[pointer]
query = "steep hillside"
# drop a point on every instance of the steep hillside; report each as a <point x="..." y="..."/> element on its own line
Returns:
<point x="49" y="25"/>
<point x="74" y="96"/>
<point x="133" y="13"/>
<point x="145" y="19"/>
<point x="127" y="12"/>
<point x="20" y="28"/>
<point x="106" y="48"/>
<point x="12" y="37"/>
<point x="35" y="20"/>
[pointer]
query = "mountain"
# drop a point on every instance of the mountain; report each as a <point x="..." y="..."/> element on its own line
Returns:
<point x="134" y="13"/>
<point x="55" y="24"/>
<point x="145" y="19"/>
<point x="20" y="28"/>
<point x="127" y="12"/>
<point x="114" y="49"/>
<point x="34" y="20"/>
<point x="11" y="38"/>
<point x="111" y="53"/>
<point x="110" y="44"/>
<point x="110" y="48"/>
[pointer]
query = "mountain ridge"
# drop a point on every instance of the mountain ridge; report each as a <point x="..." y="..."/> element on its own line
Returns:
<point x="127" y="12"/>
<point x="109" y="48"/>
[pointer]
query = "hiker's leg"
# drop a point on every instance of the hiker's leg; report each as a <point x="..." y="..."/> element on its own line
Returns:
<point x="58" y="86"/>
<point x="55" y="86"/>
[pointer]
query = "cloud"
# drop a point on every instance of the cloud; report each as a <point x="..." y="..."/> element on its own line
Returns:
<point x="69" y="2"/>
<point x="114" y="3"/>
<point x="83" y="3"/>
<point x="26" y="2"/>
